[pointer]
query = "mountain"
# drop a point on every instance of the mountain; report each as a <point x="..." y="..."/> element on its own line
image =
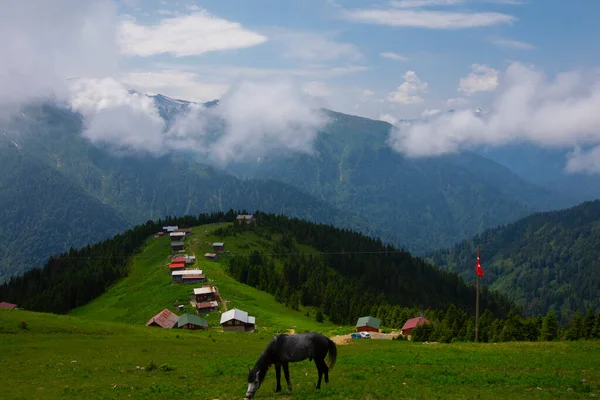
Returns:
<point x="545" y="261"/>
<point x="420" y="203"/>
<point x="60" y="191"/>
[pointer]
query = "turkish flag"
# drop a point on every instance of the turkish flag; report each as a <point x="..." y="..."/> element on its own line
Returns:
<point x="478" y="267"/>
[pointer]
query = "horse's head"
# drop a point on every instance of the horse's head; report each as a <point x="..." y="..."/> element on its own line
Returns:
<point x="255" y="378"/>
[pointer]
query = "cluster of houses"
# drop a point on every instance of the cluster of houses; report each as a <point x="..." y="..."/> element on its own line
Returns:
<point x="372" y="324"/>
<point x="231" y="321"/>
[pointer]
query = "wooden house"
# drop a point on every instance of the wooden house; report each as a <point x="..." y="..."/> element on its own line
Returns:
<point x="177" y="246"/>
<point x="170" y="228"/>
<point x="191" y="321"/>
<point x="178" y="260"/>
<point x="219" y="247"/>
<point x="188" y="276"/>
<point x="10" y="306"/>
<point x="206" y="307"/>
<point x="164" y="319"/>
<point x="411" y="324"/>
<point x="237" y="321"/>
<point x="368" y="324"/>
<point x="186" y="231"/>
<point x="161" y="233"/>
<point x="211" y="256"/>
<point x="245" y="218"/>
<point x="206" y="293"/>
<point x="177" y="236"/>
<point x="176" y="267"/>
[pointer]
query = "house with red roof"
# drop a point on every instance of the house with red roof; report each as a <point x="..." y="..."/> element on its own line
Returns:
<point x="10" y="306"/>
<point x="412" y="323"/>
<point x="164" y="319"/>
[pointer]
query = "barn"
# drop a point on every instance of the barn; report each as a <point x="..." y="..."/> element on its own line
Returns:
<point x="164" y="319"/>
<point x="237" y="321"/>
<point x="219" y="247"/>
<point x="411" y="324"/>
<point x="178" y="260"/>
<point x="191" y="321"/>
<point x="187" y="231"/>
<point x="368" y="324"/>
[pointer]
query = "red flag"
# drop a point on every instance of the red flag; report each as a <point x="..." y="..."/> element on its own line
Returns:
<point x="478" y="267"/>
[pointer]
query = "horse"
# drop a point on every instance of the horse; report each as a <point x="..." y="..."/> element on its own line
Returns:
<point x="283" y="349"/>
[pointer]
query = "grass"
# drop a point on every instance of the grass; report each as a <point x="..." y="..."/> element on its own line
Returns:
<point x="72" y="357"/>
<point x="149" y="288"/>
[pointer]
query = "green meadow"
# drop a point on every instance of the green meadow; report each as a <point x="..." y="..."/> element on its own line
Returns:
<point x="45" y="356"/>
<point x="103" y="350"/>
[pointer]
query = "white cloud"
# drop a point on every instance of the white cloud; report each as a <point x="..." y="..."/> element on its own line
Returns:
<point x="315" y="46"/>
<point x="419" y="18"/>
<point x="408" y="92"/>
<point x="584" y="161"/>
<point x="527" y="106"/>
<point x="513" y="44"/>
<point x="390" y="119"/>
<point x="316" y="89"/>
<point x="252" y="118"/>
<point x="482" y="79"/>
<point x="457" y="102"/>
<point x="367" y="93"/>
<point x="46" y="43"/>
<point x="425" y="3"/>
<point x="180" y="84"/>
<point x="193" y="34"/>
<point x="393" y="56"/>
<point x="430" y="113"/>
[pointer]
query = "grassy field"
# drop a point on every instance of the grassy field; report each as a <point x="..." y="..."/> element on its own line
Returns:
<point x="46" y="356"/>
<point x="148" y="288"/>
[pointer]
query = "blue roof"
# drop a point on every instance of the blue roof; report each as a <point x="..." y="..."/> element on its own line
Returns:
<point x="218" y="244"/>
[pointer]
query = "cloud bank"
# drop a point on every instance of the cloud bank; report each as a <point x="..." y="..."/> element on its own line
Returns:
<point x="252" y="118"/>
<point x="527" y="106"/>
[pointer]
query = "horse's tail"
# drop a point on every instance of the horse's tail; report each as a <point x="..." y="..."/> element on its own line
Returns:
<point x="332" y="353"/>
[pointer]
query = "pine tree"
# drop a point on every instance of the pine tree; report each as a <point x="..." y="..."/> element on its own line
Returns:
<point x="549" y="329"/>
<point x="575" y="330"/>
<point x="319" y="316"/>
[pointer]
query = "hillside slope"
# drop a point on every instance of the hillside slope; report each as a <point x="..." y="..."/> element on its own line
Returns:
<point x="547" y="260"/>
<point x="421" y="203"/>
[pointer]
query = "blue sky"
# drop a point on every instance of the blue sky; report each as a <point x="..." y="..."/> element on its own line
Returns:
<point x="335" y="48"/>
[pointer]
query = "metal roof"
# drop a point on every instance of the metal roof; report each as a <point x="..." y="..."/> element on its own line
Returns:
<point x="243" y="216"/>
<point x="369" y="321"/>
<point x="176" y="265"/>
<point x="205" y="290"/>
<point x="191" y="319"/>
<point x="177" y="260"/>
<point x="218" y="244"/>
<point x="194" y="276"/>
<point x="177" y="243"/>
<point x="186" y="272"/>
<point x="238" y="315"/>
<point x="414" y="322"/>
<point x="4" y="304"/>
<point x="165" y="319"/>
<point x="170" y="228"/>
<point x="207" y="304"/>
<point x="177" y="234"/>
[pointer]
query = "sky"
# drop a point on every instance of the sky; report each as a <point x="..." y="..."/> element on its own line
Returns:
<point x="530" y="65"/>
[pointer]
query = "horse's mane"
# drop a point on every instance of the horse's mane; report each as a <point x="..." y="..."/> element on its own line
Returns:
<point x="266" y="358"/>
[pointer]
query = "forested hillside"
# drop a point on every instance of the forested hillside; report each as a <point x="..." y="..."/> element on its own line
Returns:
<point x="545" y="261"/>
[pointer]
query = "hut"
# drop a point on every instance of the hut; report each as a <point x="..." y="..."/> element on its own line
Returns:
<point x="169" y="228"/>
<point x="188" y="276"/>
<point x="368" y="324"/>
<point x="248" y="219"/>
<point x="186" y="231"/>
<point x="206" y="293"/>
<point x="211" y="256"/>
<point x="237" y="321"/>
<point x="176" y="267"/>
<point x="191" y="321"/>
<point x="164" y="319"/>
<point x="219" y="247"/>
<point x="178" y="260"/>
<point x="411" y="324"/>
<point x="177" y="246"/>
<point x="206" y="307"/>
<point x="10" y="306"/>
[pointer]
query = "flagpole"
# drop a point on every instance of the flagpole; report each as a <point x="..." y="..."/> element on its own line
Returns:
<point x="477" y="305"/>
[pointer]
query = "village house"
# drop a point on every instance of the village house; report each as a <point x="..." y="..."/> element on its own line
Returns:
<point x="211" y="256"/>
<point x="206" y="293"/>
<point x="10" y="306"/>
<point x="411" y="324"/>
<point x="177" y="236"/>
<point x="177" y="246"/>
<point x="237" y="321"/>
<point x="191" y="321"/>
<point x="186" y="231"/>
<point x="160" y="233"/>
<point x="190" y="259"/>
<point x="368" y="324"/>
<point x="219" y="247"/>
<point x="245" y="218"/>
<point x="176" y="267"/>
<point x="178" y="260"/>
<point x="188" y="276"/>
<point x="164" y="319"/>
<point x="206" y="307"/>
<point x="170" y="228"/>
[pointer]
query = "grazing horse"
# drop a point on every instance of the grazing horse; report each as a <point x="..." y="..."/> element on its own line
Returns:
<point x="284" y="349"/>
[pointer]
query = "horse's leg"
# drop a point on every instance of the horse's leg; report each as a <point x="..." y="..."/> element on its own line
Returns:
<point x="318" y="364"/>
<point x="286" y="373"/>
<point x="278" y="376"/>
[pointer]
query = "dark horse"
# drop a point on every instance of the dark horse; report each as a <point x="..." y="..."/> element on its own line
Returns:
<point x="284" y="349"/>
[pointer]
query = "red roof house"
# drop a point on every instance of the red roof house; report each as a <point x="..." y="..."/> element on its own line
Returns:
<point x="164" y="319"/>
<point x="178" y="260"/>
<point x="177" y="266"/>
<point x="10" y="306"/>
<point x="412" y="324"/>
